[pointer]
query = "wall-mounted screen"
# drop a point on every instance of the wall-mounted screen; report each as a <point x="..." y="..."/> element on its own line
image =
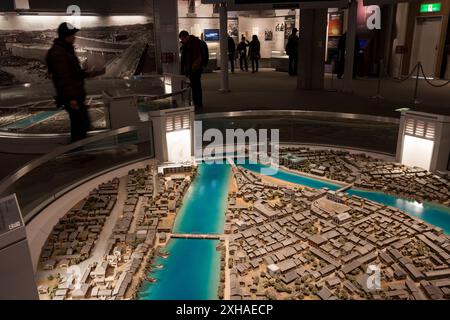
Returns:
<point x="211" y="34"/>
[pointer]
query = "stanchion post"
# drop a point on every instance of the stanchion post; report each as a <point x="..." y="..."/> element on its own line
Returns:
<point x="333" y="62"/>
<point x="416" y="101"/>
<point x="380" y="68"/>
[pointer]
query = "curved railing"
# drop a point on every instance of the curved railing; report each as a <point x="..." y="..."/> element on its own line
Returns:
<point x="329" y="129"/>
<point x="48" y="177"/>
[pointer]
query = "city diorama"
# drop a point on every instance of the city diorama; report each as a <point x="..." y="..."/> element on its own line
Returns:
<point x="311" y="232"/>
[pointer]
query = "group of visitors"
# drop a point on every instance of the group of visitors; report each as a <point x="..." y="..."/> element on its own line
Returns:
<point x="253" y="53"/>
<point x="68" y="76"/>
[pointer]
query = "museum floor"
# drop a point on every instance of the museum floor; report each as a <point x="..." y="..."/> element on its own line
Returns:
<point x="276" y="90"/>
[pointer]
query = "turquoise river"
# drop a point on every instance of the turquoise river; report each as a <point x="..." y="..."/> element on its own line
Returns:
<point x="192" y="269"/>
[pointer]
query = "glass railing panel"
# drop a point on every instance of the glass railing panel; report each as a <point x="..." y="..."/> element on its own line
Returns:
<point x="353" y="133"/>
<point x="49" y="120"/>
<point x="43" y="117"/>
<point x="45" y="178"/>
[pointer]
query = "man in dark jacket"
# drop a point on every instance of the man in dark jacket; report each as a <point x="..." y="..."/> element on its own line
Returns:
<point x="191" y="65"/>
<point x="242" y="50"/>
<point x="68" y="78"/>
<point x="292" y="52"/>
<point x="231" y="52"/>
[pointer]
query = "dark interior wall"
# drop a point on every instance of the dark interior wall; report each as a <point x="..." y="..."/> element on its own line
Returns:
<point x="97" y="6"/>
<point x="6" y="5"/>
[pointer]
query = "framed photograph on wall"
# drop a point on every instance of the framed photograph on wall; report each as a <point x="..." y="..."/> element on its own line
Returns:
<point x="268" y="35"/>
<point x="289" y="24"/>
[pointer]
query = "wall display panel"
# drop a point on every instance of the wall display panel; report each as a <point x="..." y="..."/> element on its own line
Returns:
<point x="266" y="30"/>
<point x="211" y="35"/>
<point x="122" y="45"/>
<point x="289" y="23"/>
<point x="102" y="7"/>
<point x="335" y="22"/>
<point x="233" y="28"/>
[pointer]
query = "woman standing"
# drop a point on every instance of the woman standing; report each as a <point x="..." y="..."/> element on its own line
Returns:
<point x="254" y="52"/>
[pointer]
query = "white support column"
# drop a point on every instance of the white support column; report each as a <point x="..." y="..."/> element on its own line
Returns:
<point x="223" y="18"/>
<point x="21" y="5"/>
<point x="166" y="33"/>
<point x="350" y="46"/>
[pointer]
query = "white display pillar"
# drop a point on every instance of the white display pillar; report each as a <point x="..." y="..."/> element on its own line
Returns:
<point x="166" y="27"/>
<point x="424" y="141"/>
<point x="350" y="46"/>
<point x="223" y="17"/>
<point x="173" y="134"/>
<point x="21" y="5"/>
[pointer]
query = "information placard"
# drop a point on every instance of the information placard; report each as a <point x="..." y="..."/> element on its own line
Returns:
<point x="10" y="216"/>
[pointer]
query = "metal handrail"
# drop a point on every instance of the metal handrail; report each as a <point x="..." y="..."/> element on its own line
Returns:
<point x="8" y="181"/>
<point x="30" y="104"/>
<point x="147" y="96"/>
<point x="293" y="112"/>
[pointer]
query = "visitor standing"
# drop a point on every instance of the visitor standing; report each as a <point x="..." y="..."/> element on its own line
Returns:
<point x="231" y="52"/>
<point x="192" y="65"/>
<point x="68" y="78"/>
<point x="292" y="52"/>
<point x="254" y="52"/>
<point x="242" y="51"/>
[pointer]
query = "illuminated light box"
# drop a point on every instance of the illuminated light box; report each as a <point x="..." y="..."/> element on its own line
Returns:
<point x="424" y="141"/>
<point x="417" y="152"/>
<point x="430" y="7"/>
<point x="21" y="5"/>
<point x="173" y="134"/>
<point x="179" y="145"/>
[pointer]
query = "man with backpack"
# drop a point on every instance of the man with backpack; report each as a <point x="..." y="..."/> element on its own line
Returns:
<point x="194" y="56"/>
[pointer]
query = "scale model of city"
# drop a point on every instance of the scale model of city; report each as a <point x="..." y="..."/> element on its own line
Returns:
<point x="280" y="240"/>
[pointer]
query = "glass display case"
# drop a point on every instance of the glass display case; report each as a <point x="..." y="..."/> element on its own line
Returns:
<point x="279" y="60"/>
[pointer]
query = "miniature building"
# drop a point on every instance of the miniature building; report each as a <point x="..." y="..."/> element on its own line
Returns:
<point x="342" y="218"/>
<point x="273" y="270"/>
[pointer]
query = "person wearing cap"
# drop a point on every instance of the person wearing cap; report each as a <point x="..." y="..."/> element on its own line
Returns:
<point x="292" y="52"/>
<point x="68" y="78"/>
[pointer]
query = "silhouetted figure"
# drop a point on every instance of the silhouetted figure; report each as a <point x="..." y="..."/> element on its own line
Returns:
<point x="254" y="52"/>
<point x="191" y="65"/>
<point x="68" y="79"/>
<point x="231" y="52"/>
<point x="242" y="51"/>
<point x="292" y="52"/>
